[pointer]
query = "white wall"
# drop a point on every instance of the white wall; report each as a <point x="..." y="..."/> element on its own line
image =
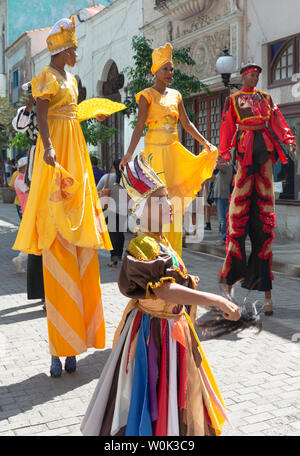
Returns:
<point x="268" y="21"/>
<point x="103" y="39"/>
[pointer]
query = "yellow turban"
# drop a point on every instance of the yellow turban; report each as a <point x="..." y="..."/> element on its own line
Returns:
<point x="62" y="36"/>
<point x="160" y="56"/>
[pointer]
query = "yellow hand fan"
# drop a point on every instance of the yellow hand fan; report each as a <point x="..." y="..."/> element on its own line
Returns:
<point x="96" y="106"/>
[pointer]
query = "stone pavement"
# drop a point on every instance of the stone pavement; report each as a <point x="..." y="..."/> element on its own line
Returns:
<point x="286" y="252"/>
<point x="259" y="375"/>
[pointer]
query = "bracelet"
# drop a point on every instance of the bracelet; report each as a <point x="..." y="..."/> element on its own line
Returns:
<point x="48" y="148"/>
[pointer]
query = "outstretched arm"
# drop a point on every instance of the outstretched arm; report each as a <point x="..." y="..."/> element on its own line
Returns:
<point x="181" y="295"/>
<point x="138" y="131"/>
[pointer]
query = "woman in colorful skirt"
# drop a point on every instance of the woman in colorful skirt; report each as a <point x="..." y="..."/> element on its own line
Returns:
<point x="157" y="381"/>
<point x="63" y="220"/>
<point x="160" y="108"/>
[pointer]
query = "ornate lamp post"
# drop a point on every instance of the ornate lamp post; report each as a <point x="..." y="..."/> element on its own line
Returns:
<point x="225" y="67"/>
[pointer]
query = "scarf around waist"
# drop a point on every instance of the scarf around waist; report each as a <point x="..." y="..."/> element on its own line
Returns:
<point x="162" y="132"/>
<point x="66" y="112"/>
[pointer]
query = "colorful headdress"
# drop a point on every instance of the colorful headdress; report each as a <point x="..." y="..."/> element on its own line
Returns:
<point x="160" y="56"/>
<point x="250" y="68"/>
<point x="139" y="180"/>
<point x="62" y="36"/>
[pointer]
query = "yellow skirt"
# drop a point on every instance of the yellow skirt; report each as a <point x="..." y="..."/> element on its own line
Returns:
<point x="181" y="171"/>
<point x="73" y="299"/>
<point x="63" y="199"/>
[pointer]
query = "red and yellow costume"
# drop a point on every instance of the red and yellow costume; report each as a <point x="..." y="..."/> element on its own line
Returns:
<point x="251" y="208"/>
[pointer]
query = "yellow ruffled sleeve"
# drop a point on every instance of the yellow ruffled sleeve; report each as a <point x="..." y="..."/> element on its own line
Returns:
<point x="44" y="85"/>
<point x="146" y="93"/>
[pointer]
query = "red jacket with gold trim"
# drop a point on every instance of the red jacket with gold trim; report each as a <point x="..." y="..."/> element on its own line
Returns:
<point x="252" y="107"/>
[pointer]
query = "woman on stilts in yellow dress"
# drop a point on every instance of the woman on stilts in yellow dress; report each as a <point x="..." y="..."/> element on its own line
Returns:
<point x="183" y="172"/>
<point x="63" y="220"/>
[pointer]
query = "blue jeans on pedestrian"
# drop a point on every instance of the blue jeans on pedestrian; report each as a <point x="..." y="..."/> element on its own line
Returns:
<point x="19" y="211"/>
<point x="222" y="208"/>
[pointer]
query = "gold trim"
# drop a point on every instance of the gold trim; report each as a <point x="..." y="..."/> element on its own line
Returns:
<point x="158" y="284"/>
<point x="251" y="93"/>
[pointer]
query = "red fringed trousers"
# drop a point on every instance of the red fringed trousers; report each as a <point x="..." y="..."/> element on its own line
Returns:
<point x="251" y="211"/>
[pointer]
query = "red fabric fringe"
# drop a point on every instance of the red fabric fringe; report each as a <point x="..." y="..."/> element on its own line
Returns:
<point x="161" y="425"/>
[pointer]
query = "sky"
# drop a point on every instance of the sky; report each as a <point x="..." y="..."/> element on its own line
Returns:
<point x="34" y="14"/>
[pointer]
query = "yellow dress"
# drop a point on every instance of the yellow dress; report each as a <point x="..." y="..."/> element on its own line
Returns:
<point x="182" y="171"/>
<point x="17" y="201"/>
<point x="85" y="226"/>
<point x="63" y="221"/>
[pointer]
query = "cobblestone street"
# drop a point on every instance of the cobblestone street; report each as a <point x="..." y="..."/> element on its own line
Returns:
<point x="259" y="375"/>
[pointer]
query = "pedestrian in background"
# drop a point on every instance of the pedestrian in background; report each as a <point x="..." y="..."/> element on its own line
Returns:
<point x="11" y="187"/>
<point x="115" y="212"/>
<point x="22" y="191"/>
<point x="208" y="201"/>
<point x="222" y="186"/>
<point x="7" y="169"/>
<point x="98" y="173"/>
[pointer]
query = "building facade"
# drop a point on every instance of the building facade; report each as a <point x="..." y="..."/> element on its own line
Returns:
<point x="265" y="32"/>
<point x="3" y="45"/>
<point x="104" y="50"/>
<point x="19" y="60"/>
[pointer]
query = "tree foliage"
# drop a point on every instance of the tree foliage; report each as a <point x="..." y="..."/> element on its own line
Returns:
<point x="21" y="141"/>
<point x="140" y="77"/>
<point x="7" y="112"/>
<point x="95" y="132"/>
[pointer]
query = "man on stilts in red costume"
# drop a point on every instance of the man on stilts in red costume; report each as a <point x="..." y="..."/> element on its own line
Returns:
<point x="251" y="209"/>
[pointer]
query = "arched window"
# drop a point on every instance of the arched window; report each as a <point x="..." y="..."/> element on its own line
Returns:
<point x="81" y="90"/>
<point x="114" y="148"/>
<point x="283" y="60"/>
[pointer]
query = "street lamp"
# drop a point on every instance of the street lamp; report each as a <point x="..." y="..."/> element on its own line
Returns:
<point x="225" y="67"/>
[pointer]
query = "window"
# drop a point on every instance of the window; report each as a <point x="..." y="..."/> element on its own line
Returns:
<point x="15" y="78"/>
<point x="114" y="148"/>
<point x="207" y="118"/>
<point x="286" y="175"/>
<point x="283" y="60"/>
<point x="15" y="86"/>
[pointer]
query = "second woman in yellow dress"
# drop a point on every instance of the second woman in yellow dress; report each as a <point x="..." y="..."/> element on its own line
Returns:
<point x="160" y="108"/>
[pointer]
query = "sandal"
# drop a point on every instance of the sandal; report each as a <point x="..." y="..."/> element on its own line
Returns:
<point x="113" y="264"/>
<point x="268" y="307"/>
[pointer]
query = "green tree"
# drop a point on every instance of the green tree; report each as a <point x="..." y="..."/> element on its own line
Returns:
<point x="7" y="112"/>
<point x="140" y="77"/>
<point x="95" y="132"/>
<point x="21" y="141"/>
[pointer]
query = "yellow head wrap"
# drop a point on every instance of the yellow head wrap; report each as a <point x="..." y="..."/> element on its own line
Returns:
<point x="160" y="56"/>
<point x="62" y="36"/>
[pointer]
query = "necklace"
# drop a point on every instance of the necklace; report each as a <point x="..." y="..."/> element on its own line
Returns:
<point x="61" y="72"/>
